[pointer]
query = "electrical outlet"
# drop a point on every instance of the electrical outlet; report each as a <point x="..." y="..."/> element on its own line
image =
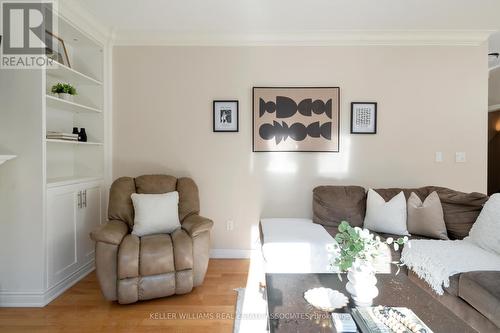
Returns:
<point x="439" y="156"/>
<point x="229" y="225"/>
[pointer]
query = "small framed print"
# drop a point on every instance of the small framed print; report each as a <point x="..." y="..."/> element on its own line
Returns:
<point x="363" y="118"/>
<point x="58" y="51"/>
<point x="226" y="116"/>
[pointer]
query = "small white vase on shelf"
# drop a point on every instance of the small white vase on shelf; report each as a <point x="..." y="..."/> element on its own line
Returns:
<point x="362" y="283"/>
<point x="66" y="97"/>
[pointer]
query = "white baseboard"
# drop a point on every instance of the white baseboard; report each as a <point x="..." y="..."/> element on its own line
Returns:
<point x="29" y="299"/>
<point x="40" y="298"/>
<point x="230" y="254"/>
<point x="68" y="282"/>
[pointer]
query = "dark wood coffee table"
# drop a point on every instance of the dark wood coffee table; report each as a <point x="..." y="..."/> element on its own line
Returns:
<point x="290" y="312"/>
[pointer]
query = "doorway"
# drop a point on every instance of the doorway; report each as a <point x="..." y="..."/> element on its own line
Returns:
<point x="493" y="152"/>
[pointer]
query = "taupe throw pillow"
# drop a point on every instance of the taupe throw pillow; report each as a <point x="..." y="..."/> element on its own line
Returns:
<point x="427" y="218"/>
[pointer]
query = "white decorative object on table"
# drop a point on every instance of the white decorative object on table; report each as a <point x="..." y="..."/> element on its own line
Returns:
<point x="362" y="283"/>
<point x="326" y="299"/>
<point x="355" y="253"/>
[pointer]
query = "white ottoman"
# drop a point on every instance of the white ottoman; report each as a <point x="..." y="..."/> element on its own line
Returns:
<point x="292" y="245"/>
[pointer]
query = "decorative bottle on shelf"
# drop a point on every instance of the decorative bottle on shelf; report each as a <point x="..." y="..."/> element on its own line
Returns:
<point x="82" y="136"/>
<point x="75" y="131"/>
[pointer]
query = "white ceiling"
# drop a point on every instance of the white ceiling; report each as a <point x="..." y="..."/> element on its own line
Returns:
<point x="223" y="19"/>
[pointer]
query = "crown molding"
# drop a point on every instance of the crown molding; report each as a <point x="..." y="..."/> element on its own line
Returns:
<point x="77" y="15"/>
<point x="320" y="38"/>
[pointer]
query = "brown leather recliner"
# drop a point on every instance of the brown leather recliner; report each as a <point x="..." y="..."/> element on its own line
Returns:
<point x="131" y="268"/>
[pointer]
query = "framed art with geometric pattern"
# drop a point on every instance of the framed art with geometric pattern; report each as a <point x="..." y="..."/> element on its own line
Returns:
<point x="363" y="118"/>
<point x="296" y="119"/>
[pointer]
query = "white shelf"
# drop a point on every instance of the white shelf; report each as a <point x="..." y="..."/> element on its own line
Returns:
<point x="74" y="142"/>
<point x="58" y="103"/>
<point x="5" y="158"/>
<point x="63" y="181"/>
<point x="493" y="108"/>
<point x="69" y="75"/>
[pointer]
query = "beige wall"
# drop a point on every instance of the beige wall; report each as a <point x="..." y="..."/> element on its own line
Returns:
<point x="429" y="99"/>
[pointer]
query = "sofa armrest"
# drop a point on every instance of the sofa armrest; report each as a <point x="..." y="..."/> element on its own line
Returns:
<point x="196" y="224"/>
<point x="110" y="233"/>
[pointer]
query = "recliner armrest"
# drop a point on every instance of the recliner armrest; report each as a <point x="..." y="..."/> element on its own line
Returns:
<point x="196" y="224"/>
<point x="111" y="232"/>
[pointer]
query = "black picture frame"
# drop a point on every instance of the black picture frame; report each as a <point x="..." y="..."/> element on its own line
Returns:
<point x="214" y="116"/>
<point x="338" y="115"/>
<point x="374" y="131"/>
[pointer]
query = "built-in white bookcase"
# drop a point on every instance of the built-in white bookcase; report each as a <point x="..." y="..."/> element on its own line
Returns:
<point x="53" y="193"/>
<point x="76" y="161"/>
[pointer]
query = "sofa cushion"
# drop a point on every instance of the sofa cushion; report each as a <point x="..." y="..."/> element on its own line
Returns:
<point x="334" y="204"/>
<point x="389" y="193"/>
<point x="486" y="231"/>
<point x="156" y="255"/>
<point x="386" y="216"/>
<point x="482" y="291"/>
<point x="155" y="213"/>
<point x="155" y="184"/>
<point x="426" y="218"/>
<point x="460" y="209"/>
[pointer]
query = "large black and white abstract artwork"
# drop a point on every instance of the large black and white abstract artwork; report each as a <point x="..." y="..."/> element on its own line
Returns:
<point x="296" y="119"/>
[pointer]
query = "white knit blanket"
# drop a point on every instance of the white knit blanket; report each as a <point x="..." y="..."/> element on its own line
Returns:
<point x="436" y="260"/>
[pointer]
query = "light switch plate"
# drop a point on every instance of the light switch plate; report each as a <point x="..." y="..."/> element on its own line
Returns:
<point x="460" y="157"/>
<point x="439" y="156"/>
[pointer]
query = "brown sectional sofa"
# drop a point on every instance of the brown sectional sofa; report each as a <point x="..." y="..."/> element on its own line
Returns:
<point x="473" y="296"/>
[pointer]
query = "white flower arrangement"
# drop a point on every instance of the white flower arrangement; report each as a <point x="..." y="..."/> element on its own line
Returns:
<point x="354" y="243"/>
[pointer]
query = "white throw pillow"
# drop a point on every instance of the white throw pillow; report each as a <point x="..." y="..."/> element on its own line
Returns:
<point x="486" y="230"/>
<point x="388" y="217"/>
<point x="155" y="213"/>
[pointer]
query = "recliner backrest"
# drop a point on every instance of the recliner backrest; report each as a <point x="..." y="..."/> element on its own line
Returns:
<point x="120" y="203"/>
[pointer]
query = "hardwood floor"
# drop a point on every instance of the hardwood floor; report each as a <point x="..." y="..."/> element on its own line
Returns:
<point x="83" y="309"/>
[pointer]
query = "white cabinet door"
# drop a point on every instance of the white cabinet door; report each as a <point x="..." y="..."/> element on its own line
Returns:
<point x="72" y="213"/>
<point x="89" y="218"/>
<point x="61" y="234"/>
